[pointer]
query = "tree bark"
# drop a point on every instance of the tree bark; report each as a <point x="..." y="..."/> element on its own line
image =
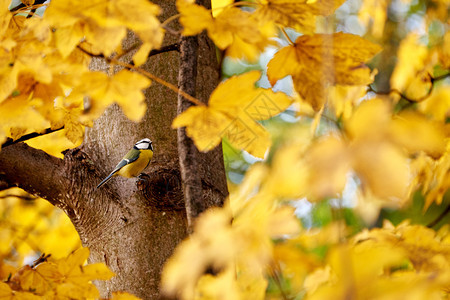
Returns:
<point x="132" y="225"/>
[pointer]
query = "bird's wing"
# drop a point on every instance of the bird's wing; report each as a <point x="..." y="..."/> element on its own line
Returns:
<point x="130" y="157"/>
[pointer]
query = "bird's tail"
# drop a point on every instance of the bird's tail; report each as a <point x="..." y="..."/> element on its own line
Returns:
<point x="105" y="180"/>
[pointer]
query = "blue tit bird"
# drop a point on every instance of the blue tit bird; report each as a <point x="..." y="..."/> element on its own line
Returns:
<point x="134" y="162"/>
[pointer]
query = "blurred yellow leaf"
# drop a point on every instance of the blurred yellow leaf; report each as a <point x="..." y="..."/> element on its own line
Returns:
<point x="355" y="272"/>
<point x="412" y="58"/>
<point x="416" y="133"/>
<point x="329" y="163"/>
<point x="383" y="169"/>
<point x="103" y="24"/>
<point x="218" y="5"/>
<point x="374" y="11"/>
<point x="5" y="291"/>
<point x="321" y="60"/>
<point x="233" y="28"/>
<point x="438" y="104"/>
<point x="123" y="296"/>
<point x="194" y="18"/>
<point x="444" y="53"/>
<point x="232" y="112"/>
<point x="343" y="99"/>
<point x="297" y="14"/>
<point x="243" y="240"/>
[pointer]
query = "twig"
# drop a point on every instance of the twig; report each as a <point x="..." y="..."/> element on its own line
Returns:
<point x="147" y="74"/>
<point x="276" y="278"/>
<point x="168" y="48"/>
<point x="411" y="100"/>
<point x="29" y="136"/>
<point x="21" y="5"/>
<point x="41" y="259"/>
<point x="287" y="36"/>
<point x="439" y="218"/>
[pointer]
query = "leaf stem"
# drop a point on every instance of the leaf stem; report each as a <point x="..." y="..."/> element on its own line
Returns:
<point x="411" y="100"/>
<point x="439" y="218"/>
<point x="169" y="20"/>
<point x="287" y="36"/>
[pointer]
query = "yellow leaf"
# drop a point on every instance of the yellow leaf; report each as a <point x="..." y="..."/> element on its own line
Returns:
<point x="123" y="296"/>
<point x="233" y="109"/>
<point x="73" y="261"/>
<point x="233" y="28"/>
<point x="98" y="271"/>
<point x="411" y="59"/>
<point x="317" y="278"/>
<point x="375" y="11"/>
<point x="54" y="143"/>
<point x="31" y="280"/>
<point x="283" y="222"/>
<point x="16" y="112"/>
<point x="383" y="169"/>
<point x="343" y="99"/>
<point x="416" y="133"/>
<point x="204" y="125"/>
<point x="296" y="14"/>
<point x="321" y="60"/>
<point x="328" y="163"/>
<point x="289" y="173"/>
<point x="221" y="286"/>
<point x="105" y="39"/>
<point x="140" y="57"/>
<point x="124" y="88"/>
<point x="67" y="38"/>
<point x="438" y="104"/>
<point x="370" y="120"/>
<point x="5" y="291"/>
<point x="218" y="5"/>
<point x="355" y="272"/>
<point x="194" y="18"/>
<point x="76" y="291"/>
<point x="444" y="53"/>
<point x="5" y="16"/>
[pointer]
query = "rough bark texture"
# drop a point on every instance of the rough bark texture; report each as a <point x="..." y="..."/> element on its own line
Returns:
<point x="198" y="50"/>
<point x="131" y="227"/>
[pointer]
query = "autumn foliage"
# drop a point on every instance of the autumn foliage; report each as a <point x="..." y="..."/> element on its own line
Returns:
<point x="369" y="162"/>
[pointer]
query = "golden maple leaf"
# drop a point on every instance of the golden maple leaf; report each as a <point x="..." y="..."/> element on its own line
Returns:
<point x="322" y="60"/>
<point x="233" y="29"/>
<point x="124" y="88"/>
<point x="232" y="112"/>
<point x="297" y="14"/>
<point x="103" y="24"/>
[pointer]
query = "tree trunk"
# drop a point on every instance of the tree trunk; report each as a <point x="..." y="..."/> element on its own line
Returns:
<point x="133" y="228"/>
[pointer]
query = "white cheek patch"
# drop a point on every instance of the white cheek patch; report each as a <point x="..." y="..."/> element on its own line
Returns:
<point x="142" y="145"/>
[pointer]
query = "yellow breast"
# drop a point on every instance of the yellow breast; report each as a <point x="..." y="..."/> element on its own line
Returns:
<point x="135" y="168"/>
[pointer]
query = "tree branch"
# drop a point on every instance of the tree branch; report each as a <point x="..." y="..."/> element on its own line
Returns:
<point x="29" y="136"/>
<point x="34" y="171"/>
